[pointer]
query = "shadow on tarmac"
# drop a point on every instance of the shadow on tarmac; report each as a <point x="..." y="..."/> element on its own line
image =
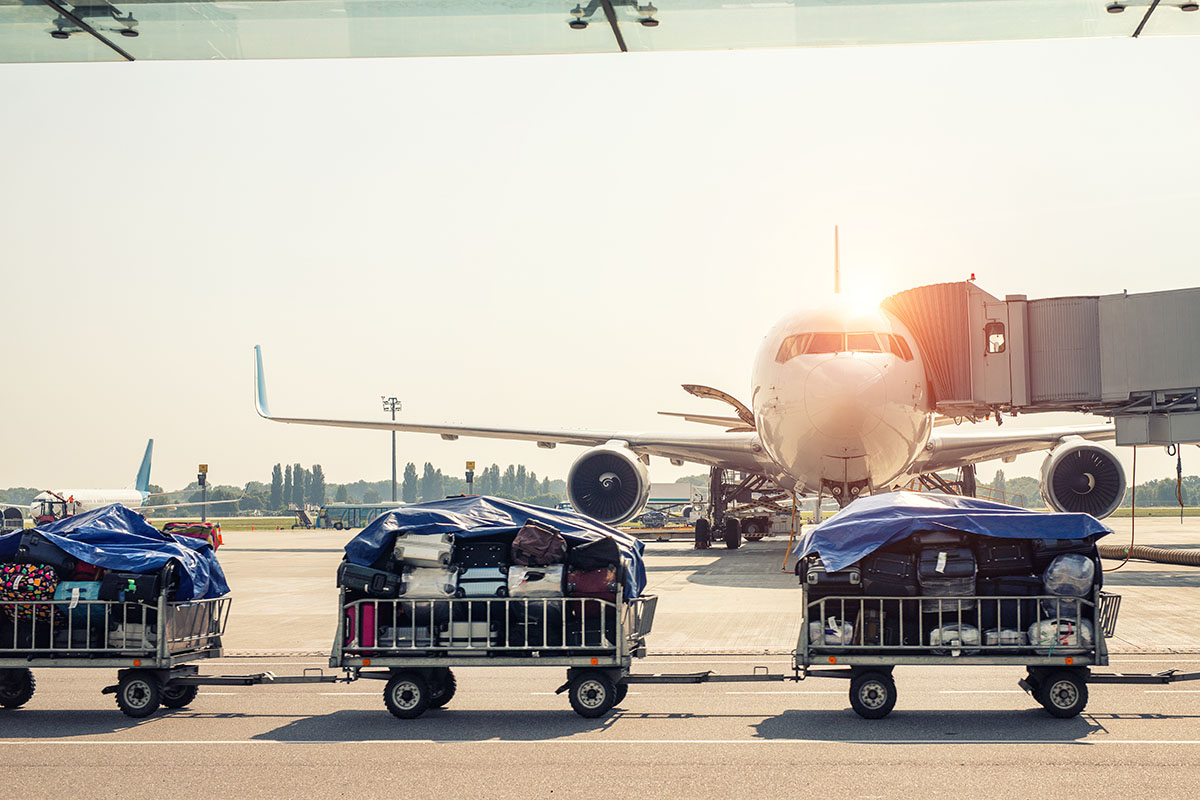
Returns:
<point x="30" y="723"/>
<point x="925" y="726"/>
<point x="439" y="725"/>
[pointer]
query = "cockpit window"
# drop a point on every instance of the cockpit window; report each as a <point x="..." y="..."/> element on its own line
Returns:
<point x="808" y="344"/>
<point x="862" y="343"/>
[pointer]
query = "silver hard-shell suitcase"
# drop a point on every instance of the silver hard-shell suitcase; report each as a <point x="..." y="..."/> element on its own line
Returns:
<point x="424" y="549"/>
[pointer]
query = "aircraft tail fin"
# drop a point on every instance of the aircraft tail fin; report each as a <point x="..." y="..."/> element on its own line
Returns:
<point x="143" y="476"/>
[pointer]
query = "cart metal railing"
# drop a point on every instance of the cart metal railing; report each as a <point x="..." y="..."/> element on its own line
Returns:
<point x="545" y="629"/>
<point x="108" y="633"/>
<point x="982" y="629"/>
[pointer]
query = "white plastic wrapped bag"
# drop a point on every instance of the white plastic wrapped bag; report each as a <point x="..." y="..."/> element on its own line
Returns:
<point x="957" y="637"/>
<point x="429" y="582"/>
<point x="1007" y="637"/>
<point x="1055" y="636"/>
<point x="830" y="632"/>
<point x="1070" y="574"/>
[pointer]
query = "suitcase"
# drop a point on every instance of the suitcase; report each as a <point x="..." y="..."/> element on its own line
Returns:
<point x="368" y="581"/>
<point x="946" y="572"/>
<point x="822" y="584"/>
<point x="132" y="636"/>
<point x="1005" y="637"/>
<point x="79" y="593"/>
<point x="429" y="582"/>
<point x="997" y="556"/>
<point x="538" y="545"/>
<point x="594" y="555"/>
<point x="1012" y="613"/>
<point x="474" y="553"/>
<point x="424" y="550"/>
<point x="205" y="531"/>
<point x="467" y="634"/>
<point x="27" y="582"/>
<point x="81" y="637"/>
<point x="35" y="548"/>
<point x="598" y="583"/>
<point x="402" y="637"/>
<point x="1046" y="550"/>
<point x="885" y="574"/>
<point x="482" y="582"/>
<point x="924" y="539"/>
<point x="360" y="626"/>
<point x="536" y="624"/>
<point x="136" y="587"/>
<point x="535" y="581"/>
<point x="591" y="624"/>
<point x="86" y="572"/>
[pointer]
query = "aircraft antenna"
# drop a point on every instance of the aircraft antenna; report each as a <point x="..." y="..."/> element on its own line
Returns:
<point x="837" y="269"/>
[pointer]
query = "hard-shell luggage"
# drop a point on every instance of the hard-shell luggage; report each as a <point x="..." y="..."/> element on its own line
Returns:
<point x="482" y="581"/>
<point x="467" y="634"/>
<point x="368" y="581"/>
<point x="999" y="556"/>
<point x="401" y="637"/>
<point x="1046" y="550"/>
<point x="1005" y="637"/>
<point x="136" y="587"/>
<point x="35" y="548"/>
<point x="1008" y="613"/>
<point x="536" y="624"/>
<point x="538" y="545"/>
<point x="941" y="538"/>
<point x="535" y="581"/>
<point x="886" y="574"/>
<point x="428" y="582"/>
<point x="594" y="555"/>
<point x="27" y="582"/>
<point x="822" y="583"/>
<point x="361" y="625"/>
<point x="474" y="553"/>
<point x="598" y="583"/>
<point x="83" y="596"/>
<point x="946" y="572"/>
<point x="85" y="572"/>
<point x="424" y="550"/>
<point x="132" y="636"/>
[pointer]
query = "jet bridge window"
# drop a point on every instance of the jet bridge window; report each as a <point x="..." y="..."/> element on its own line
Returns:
<point x="994" y="333"/>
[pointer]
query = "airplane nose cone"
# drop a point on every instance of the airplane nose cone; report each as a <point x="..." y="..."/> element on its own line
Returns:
<point x="844" y="397"/>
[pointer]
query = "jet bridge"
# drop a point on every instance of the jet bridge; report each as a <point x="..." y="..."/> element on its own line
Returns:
<point x="1132" y="357"/>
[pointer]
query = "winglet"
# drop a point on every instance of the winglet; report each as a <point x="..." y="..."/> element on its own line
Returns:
<point x="143" y="476"/>
<point x="260" y="385"/>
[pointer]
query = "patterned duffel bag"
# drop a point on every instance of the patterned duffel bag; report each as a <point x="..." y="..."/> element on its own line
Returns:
<point x="27" y="582"/>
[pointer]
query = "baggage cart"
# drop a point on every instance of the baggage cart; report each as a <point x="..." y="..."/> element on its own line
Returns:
<point x="414" y="644"/>
<point x="153" y="646"/>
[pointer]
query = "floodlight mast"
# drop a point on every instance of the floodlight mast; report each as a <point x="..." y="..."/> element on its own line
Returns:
<point x="392" y="404"/>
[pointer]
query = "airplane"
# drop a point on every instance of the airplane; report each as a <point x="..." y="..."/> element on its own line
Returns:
<point x="49" y="505"/>
<point x="840" y="407"/>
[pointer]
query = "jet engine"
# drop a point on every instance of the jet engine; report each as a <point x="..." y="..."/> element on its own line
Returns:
<point x="1080" y="476"/>
<point x="608" y="483"/>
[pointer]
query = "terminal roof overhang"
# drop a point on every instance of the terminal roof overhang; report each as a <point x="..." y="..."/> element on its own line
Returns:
<point x="95" y="30"/>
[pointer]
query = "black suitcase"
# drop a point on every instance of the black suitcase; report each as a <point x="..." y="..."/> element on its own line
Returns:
<point x="472" y="553"/>
<point x="946" y="572"/>
<point x="921" y="540"/>
<point x="34" y="548"/>
<point x="997" y="556"/>
<point x="822" y="585"/>
<point x="886" y="574"/>
<point x="137" y="587"/>
<point x="1046" y="550"/>
<point x="1018" y="614"/>
<point x="368" y="581"/>
<point x="594" y="555"/>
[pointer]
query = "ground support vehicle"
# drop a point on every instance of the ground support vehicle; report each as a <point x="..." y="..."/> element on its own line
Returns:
<point x="414" y="644"/>
<point x="154" y="646"/>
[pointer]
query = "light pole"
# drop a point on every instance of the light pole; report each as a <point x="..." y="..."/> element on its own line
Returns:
<point x="392" y="404"/>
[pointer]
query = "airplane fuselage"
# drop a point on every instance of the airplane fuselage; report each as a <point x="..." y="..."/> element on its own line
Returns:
<point x="840" y="400"/>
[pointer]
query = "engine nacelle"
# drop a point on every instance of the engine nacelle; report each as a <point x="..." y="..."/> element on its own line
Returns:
<point x="608" y="483"/>
<point x="1083" y="477"/>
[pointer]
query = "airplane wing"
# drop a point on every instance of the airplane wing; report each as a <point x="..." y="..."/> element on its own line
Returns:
<point x="953" y="449"/>
<point x="176" y="506"/>
<point x="739" y="451"/>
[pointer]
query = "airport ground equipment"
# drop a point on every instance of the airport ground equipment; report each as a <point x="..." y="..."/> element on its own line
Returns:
<point x="415" y="644"/>
<point x="155" y="646"/>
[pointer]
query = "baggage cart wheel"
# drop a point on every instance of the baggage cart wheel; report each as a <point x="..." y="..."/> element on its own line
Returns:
<point x="1064" y="694"/>
<point x="622" y="690"/>
<point x="138" y="694"/>
<point x="174" y="696"/>
<point x="592" y="693"/>
<point x="733" y="533"/>
<point x="442" y="686"/>
<point x="873" y="695"/>
<point x="406" y="695"/>
<point x="16" y="687"/>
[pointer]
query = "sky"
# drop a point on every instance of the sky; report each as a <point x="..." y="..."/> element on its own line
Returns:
<point x="553" y="241"/>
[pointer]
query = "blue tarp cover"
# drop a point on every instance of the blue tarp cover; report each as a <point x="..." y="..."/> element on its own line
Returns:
<point x="870" y="523"/>
<point x="116" y="537"/>
<point x="479" y="516"/>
